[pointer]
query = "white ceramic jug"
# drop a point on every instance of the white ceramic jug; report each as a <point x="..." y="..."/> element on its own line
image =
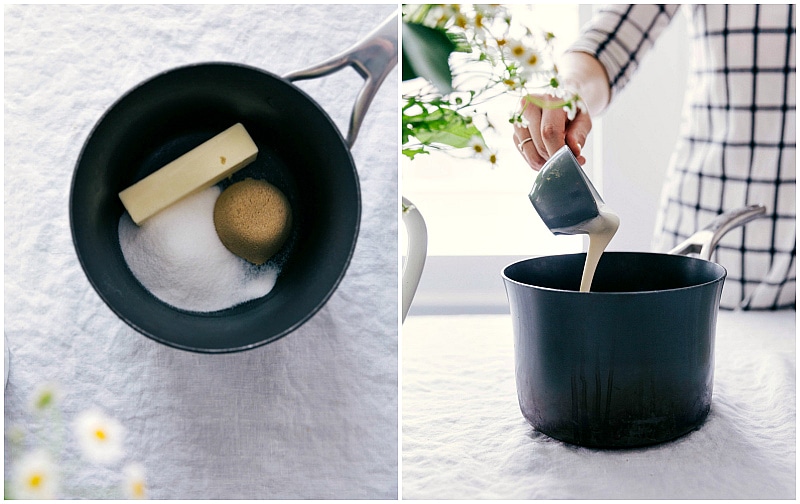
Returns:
<point x="415" y="254"/>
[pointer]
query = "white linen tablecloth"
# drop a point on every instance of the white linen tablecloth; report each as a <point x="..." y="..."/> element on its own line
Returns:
<point x="465" y="438"/>
<point x="313" y="415"/>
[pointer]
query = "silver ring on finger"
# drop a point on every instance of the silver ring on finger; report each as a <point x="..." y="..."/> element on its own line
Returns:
<point x="519" y="145"/>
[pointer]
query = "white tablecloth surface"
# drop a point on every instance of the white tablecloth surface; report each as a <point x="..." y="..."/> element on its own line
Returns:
<point x="313" y="415"/>
<point x="465" y="438"/>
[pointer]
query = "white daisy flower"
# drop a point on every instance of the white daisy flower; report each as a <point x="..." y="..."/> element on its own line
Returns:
<point x="525" y="57"/>
<point x="573" y="106"/>
<point x="560" y="91"/>
<point x="573" y="103"/>
<point x="478" y="147"/>
<point x="532" y="60"/>
<point x="480" y="33"/>
<point x="36" y="477"/>
<point x="100" y="436"/>
<point x="518" y="119"/>
<point x="491" y="10"/>
<point x="444" y="12"/>
<point x="571" y="111"/>
<point x="480" y="150"/>
<point x="516" y="49"/>
<point x="134" y="484"/>
<point x="515" y="83"/>
<point x="461" y="20"/>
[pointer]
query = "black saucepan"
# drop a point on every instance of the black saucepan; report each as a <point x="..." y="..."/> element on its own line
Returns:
<point x="630" y="363"/>
<point x="301" y="151"/>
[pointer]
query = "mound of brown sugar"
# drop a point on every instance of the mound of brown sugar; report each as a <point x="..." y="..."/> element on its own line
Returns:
<point x="253" y="219"/>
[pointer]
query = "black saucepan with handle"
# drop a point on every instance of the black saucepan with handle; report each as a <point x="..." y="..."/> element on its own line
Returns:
<point x="630" y="363"/>
<point x="301" y="151"/>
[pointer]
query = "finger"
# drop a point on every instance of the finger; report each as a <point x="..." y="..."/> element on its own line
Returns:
<point x="578" y="131"/>
<point x="533" y="116"/>
<point x="524" y="144"/>
<point x="553" y="129"/>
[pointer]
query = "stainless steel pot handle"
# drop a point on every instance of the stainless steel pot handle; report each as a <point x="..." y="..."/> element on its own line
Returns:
<point x="705" y="241"/>
<point x="373" y="58"/>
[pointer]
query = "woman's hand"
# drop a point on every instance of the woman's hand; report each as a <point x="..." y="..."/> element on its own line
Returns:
<point x="549" y="129"/>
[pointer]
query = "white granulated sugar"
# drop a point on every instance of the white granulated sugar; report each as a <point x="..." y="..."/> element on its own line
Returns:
<point x="177" y="256"/>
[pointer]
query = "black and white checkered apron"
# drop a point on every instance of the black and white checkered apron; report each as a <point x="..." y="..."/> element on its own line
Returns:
<point x="736" y="145"/>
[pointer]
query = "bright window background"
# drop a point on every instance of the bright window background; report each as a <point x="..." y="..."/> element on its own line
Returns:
<point x="472" y="209"/>
<point x="479" y="219"/>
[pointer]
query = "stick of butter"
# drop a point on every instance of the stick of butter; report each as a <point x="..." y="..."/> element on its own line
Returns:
<point x="198" y="169"/>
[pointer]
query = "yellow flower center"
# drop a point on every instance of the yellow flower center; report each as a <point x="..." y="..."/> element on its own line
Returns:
<point x="493" y="158"/>
<point x="137" y="489"/>
<point x="36" y="480"/>
<point x="533" y="60"/>
<point x="518" y="50"/>
<point x="478" y="148"/>
<point x="100" y="434"/>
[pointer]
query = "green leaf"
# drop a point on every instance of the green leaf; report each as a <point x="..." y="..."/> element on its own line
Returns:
<point x="44" y="400"/>
<point x="442" y="126"/>
<point x="426" y="53"/>
<point x="408" y="70"/>
<point x="455" y="135"/>
<point x="460" y="42"/>
<point x="410" y="153"/>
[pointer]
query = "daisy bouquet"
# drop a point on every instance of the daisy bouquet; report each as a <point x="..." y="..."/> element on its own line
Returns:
<point x="42" y="469"/>
<point x="457" y="57"/>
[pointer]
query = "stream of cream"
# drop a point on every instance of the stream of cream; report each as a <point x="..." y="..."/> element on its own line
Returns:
<point x="601" y="230"/>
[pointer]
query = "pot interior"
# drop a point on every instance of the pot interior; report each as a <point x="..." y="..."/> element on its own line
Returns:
<point x="300" y="151"/>
<point x="617" y="272"/>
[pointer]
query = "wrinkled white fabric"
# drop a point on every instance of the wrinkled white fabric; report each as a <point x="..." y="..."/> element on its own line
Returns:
<point x="313" y="415"/>
<point x="465" y="438"/>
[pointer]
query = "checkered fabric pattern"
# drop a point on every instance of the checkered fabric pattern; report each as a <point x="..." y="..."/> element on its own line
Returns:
<point x="737" y="141"/>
